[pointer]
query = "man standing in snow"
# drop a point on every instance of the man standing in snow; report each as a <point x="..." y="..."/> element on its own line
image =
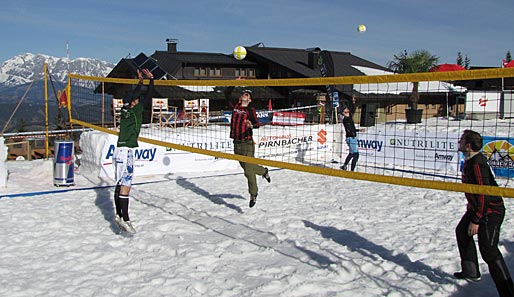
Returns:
<point x="484" y="216"/>
<point x="243" y="120"/>
<point x="130" y="125"/>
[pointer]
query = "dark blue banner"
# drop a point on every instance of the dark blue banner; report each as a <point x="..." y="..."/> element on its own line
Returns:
<point x="264" y="116"/>
<point x="326" y="64"/>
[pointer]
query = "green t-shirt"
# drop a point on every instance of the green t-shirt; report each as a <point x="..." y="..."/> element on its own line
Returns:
<point x="130" y="126"/>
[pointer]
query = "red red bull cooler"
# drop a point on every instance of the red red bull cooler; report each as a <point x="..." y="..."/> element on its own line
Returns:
<point x="63" y="163"/>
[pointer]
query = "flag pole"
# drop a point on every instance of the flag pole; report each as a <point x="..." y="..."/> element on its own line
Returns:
<point x="46" y="109"/>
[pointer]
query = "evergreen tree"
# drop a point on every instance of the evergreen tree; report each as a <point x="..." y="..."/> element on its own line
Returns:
<point x="467" y="61"/>
<point x="21" y="125"/>
<point x="460" y="61"/>
<point x="59" y="122"/>
<point x="508" y="57"/>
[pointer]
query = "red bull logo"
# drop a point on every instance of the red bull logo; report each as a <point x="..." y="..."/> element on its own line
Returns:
<point x="64" y="152"/>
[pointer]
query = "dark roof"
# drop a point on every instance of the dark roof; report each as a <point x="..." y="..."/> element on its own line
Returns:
<point x="202" y="58"/>
<point x="297" y="60"/>
<point x="172" y="61"/>
<point x="125" y="68"/>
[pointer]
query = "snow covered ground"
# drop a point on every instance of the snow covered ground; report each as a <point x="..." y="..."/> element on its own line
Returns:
<point x="308" y="235"/>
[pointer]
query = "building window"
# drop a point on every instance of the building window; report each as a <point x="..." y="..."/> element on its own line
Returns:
<point x="245" y="72"/>
<point x="215" y="72"/>
<point x="200" y="71"/>
<point x="211" y="71"/>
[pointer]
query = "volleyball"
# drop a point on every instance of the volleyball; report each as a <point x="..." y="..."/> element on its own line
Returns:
<point x="361" y="28"/>
<point x="239" y="52"/>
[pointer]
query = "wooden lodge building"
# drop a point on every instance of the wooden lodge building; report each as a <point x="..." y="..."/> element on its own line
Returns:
<point x="270" y="63"/>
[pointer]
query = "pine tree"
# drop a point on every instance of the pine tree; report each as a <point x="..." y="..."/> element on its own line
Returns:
<point x="467" y="61"/>
<point x="508" y="57"/>
<point x="21" y="125"/>
<point x="460" y="61"/>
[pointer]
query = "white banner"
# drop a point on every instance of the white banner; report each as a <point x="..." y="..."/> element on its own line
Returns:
<point x="319" y="144"/>
<point x="149" y="159"/>
<point x="482" y="101"/>
<point x="314" y="144"/>
<point x="410" y="149"/>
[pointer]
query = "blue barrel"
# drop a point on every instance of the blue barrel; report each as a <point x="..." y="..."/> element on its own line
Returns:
<point x="63" y="163"/>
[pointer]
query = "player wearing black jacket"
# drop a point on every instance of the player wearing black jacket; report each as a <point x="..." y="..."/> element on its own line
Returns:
<point x="484" y="216"/>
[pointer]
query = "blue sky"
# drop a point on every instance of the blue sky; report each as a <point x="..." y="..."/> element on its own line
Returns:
<point x="111" y="30"/>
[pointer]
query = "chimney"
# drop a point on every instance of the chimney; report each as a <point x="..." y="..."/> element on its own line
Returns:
<point x="313" y="58"/>
<point x="172" y="45"/>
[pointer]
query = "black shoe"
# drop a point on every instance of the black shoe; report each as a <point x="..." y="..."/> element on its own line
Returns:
<point x="266" y="176"/>
<point x="344" y="167"/>
<point x="462" y="275"/>
<point x="253" y="199"/>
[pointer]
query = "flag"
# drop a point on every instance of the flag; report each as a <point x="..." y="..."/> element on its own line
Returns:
<point x="326" y="64"/>
<point x="327" y="69"/>
<point x="63" y="99"/>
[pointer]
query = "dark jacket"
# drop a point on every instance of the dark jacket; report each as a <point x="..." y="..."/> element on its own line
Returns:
<point x="476" y="171"/>
<point x="131" y="119"/>
<point x="349" y="125"/>
<point x="238" y="129"/>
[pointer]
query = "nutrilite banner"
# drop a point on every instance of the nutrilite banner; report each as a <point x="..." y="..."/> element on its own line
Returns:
<point x="408" y="149"/>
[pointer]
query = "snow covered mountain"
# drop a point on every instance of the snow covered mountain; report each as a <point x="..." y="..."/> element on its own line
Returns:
<point x="24" y="68"/>
<point x="17" y="73"/>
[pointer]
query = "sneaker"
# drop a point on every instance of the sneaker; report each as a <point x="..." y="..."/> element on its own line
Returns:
<point x="253" y="199"/>
<point x="124" y="225"/>
<point x="462" y="275"/>
<point x="344" y="167"/>
<point x="118" y="220"/>
<point x="266" y="176"/>
<point x="129" y="228"/>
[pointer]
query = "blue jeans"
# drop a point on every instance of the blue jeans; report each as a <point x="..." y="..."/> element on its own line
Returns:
<point x="352" y="144"/>
<point x="353" y="155"/>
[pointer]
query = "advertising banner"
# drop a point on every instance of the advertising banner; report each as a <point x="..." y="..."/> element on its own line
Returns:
<point x="264" y="116"/>
<point x="284" y="145"/>
<point x="409" y="149"/>
<point x="288" y="118"/>
<point x="293" y="144"/>
<point x="426" y="150"/>
<point x="499" y="152"/>
<point x="157" y="160"/>
<point x="318" y="145"/>
<point x="482" y="101"/>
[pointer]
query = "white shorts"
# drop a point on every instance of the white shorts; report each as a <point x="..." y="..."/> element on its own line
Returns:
<point x="123" y="160"/>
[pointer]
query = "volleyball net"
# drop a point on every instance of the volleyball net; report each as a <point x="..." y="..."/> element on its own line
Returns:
<point x="408" y="124"/>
